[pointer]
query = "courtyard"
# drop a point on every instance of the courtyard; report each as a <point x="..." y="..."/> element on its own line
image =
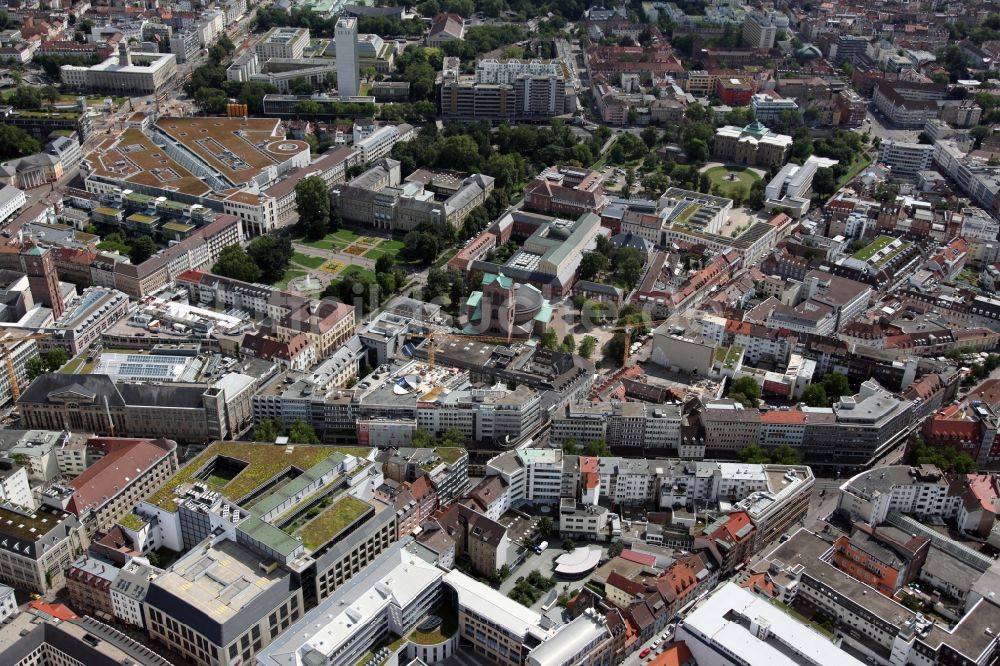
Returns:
<point x="732" y="179"/>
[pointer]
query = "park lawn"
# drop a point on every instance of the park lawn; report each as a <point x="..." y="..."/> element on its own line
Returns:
<point x="321" y="244"/>
<point x="392" y="245"/>
<point x="289" y="275"/>
<point x="354" y="269"/>
<point x="866" y="252"/>
<point x="74" y="365"/>
<point x="344" y="235"/>
<point x="375" y="253"/>
<point x="307" y="260"/>
<point x="856" y="166"/>
<point x="745" y="179"/>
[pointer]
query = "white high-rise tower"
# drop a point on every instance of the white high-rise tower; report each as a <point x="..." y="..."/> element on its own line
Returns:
<point x="347" y="56"/>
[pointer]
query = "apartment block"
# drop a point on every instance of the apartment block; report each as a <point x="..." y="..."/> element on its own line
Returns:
<point x="36" y="547"/>
<point x="88" y="582"/>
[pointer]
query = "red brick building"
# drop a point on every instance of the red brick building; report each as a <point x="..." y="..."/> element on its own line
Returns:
<point x="735" y="91"/>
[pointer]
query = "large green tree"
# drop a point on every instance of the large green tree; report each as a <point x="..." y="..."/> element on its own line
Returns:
<point x="272" y="255"/>
<point x="268" y="430"/>
<point x="142" y="249"/>
<point x="234" y="262"/>
<point x="312" y="200"/>
<point x="15" y="142"/>
<point x="302" y="433"/>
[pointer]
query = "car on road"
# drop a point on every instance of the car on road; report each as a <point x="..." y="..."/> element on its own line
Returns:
<point x="644" y="653"/>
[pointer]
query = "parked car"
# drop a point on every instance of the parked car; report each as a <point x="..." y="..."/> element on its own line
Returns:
<point x="644" y="653"/>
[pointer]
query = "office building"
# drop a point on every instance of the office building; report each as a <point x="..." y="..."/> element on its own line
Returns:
<point x="880" y="628"/>
<point x="760" y="28"/>
<point x="345" y="529"/>
<point x="848" y="48"/>
<point x="620" y="424"/>
<point x="129" y="590"/>
<point x="496" y="627"/>
<point x="14" y="486"/>
<point x="396" y="593"/>
<point x="11" y="200"/>
<point x="185" y="43"/>
<point x="768" y="109"/>
<point x="348" y="73"/>
<point x="127" y="73"/>
<point x="905" y="160"/>
<point x="8" y="603"/>
<point x="791" y="188"/>
<point x="569" y="191"/>
<point x="219" y="604"/>
<point x="380" y="142"/>
<point x="921" y="491"/>
<point x="447" y="468"/>
<point x="735" y="621"/>
<point x="379" y="198"/>
<point x="975" y="176"/>
<point x="194" y="413"/>
<point x="36" y="638"/>
<point x="549" y="253"/>
<point x="855" y="430"/>
<point x="244" y="66"/>
<point x="282" y="42"/>
<point x="41" y="124"/>
<point x="909" y="104"/>
<point x="509" y="89"/>
<point x="753" y="145"/>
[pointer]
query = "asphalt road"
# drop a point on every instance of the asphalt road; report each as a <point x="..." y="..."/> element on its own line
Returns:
<point x="879" y="126"/>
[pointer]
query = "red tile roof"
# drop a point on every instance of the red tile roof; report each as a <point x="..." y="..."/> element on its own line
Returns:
<point x="125" y="460"/>
<point x="792" y="416"/>
<point x="60" y="611"/>
<point x="644" y="559"/>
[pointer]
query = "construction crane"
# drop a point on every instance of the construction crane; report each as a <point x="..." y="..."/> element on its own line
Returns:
<point x="5" y="344"/>
<point x="432" y="342"/>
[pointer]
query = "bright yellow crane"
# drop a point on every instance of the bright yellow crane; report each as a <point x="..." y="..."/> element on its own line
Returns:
<point x="5" y="345"/>
<point x="433" y="340"/>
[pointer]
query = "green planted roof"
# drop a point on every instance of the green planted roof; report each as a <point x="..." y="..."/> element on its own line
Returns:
<point x="178" y="226"/>
<point x="335" y="519"/>
<point x="264" y="462"/>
